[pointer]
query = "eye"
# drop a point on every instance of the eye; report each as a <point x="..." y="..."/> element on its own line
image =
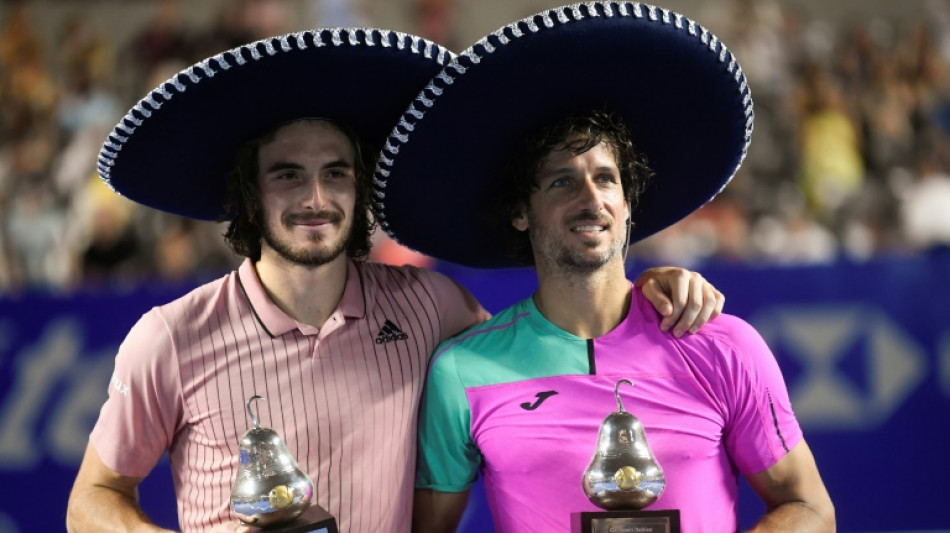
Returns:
<point x="338" y="173"/>
<point x="557" y="183"/>
<point x="288" y="175"/>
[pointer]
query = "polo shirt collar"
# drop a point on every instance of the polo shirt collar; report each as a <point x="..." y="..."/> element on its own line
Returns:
<point x="276" y="321"/>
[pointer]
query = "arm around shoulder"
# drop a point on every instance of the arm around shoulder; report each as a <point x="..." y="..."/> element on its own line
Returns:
<point x="105" y="501"/>
<point x="684" y="300"/>
<point x="794" y="494"/>
<point x="458" y="308"/>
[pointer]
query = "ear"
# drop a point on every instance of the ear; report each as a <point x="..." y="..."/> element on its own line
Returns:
<point x="520" y="221"/>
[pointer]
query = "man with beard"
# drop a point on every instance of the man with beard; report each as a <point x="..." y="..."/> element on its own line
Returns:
<point x="518" y="397"/>
<point x="570" y="135"/>
<point x="336" y="345"/>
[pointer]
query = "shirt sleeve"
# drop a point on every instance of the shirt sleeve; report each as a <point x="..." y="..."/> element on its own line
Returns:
<point x="458" y="308"/>
<point x="140" y="417"/>
<point x="761" y="427"/>
<point x="448" y="458"/>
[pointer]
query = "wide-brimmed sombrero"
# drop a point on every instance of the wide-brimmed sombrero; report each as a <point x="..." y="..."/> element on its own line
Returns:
<point x="174" y="149"/>
<point x="676" y="86"/>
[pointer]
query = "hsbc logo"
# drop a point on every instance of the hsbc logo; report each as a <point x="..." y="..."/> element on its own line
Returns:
<point x="884" y="365"/>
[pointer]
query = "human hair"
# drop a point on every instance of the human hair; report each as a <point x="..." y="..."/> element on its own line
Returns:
<point x="244" y="207"/>
<point x="576" y="133"/>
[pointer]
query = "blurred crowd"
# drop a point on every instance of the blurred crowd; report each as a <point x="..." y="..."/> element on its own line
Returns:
<point x="849" y="158"/>
<point x="850" y="150"/>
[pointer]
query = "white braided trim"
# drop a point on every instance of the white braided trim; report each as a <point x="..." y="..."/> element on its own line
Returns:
<point x="238" y="56"/>
<point x="528" y="25"/>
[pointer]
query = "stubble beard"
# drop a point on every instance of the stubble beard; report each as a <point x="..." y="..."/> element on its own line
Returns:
<point x="570" y="259"/>
<point x="305" y="256"/>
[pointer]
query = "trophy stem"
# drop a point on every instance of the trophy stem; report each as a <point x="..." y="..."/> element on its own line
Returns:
<point x="616" y="393"/>
<point x="250" y="411"/>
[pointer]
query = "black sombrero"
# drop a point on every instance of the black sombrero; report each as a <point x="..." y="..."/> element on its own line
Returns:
<point x="677" y="87"/>
<point x="174" y="149"/>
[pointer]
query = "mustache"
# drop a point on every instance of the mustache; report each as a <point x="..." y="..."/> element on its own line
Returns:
<point x="334" y="217"/>
<point x="587" y="216"/>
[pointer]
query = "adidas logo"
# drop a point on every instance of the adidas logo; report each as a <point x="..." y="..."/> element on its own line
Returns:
<point x="390" y="332"/>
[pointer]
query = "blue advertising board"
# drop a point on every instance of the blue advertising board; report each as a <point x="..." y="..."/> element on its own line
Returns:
<point x="865" y="349"/>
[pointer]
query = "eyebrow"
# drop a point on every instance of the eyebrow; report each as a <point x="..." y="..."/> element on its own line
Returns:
<point x="289" y="165"/>
<point x="559" y="170"/>
<point x="283" y="165"/>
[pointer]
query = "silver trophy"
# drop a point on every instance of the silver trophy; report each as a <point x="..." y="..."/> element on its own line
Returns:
<point x="270" y="488"/>
<point x="624" y="477"/>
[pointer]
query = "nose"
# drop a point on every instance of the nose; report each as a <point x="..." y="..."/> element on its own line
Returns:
<point x="589" y="196"/>
<point x="316" y="199"/>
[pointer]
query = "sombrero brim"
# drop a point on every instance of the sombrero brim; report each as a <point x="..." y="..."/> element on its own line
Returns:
<point x="677" y="87"/>
<point x="174" y="149"/>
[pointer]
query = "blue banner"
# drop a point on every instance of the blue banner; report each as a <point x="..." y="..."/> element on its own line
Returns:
<point x="865" y="349"/>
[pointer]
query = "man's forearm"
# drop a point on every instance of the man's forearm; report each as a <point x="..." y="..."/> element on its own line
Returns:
<point x="105" y="510"/>
<point x="795" y="517"/>
<point x="795" y="496"/>
<point x="104" y="501"/>
<point x="437" y="512"/>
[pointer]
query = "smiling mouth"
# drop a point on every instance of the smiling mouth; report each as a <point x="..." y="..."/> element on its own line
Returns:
<point x="319" y="219"/>
<point x="588" y="229"/>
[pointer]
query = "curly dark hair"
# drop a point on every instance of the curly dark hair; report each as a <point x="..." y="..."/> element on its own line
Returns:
<point x="244" y="208"/>
<point x="576" y="133"/>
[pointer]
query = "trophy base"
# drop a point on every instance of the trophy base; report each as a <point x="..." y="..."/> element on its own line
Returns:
<point x="314" y="520"/>
<point x="626" y="522"/>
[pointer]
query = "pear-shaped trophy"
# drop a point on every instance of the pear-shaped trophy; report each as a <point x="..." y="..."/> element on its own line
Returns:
<point x="624" y="477"/>
<point x="270" y="490"/>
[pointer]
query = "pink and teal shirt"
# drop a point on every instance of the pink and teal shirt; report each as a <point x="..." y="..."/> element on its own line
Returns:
<point x="521" y="401"/>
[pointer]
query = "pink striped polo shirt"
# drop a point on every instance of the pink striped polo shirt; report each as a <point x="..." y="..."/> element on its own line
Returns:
<point x="343" y="397"/>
